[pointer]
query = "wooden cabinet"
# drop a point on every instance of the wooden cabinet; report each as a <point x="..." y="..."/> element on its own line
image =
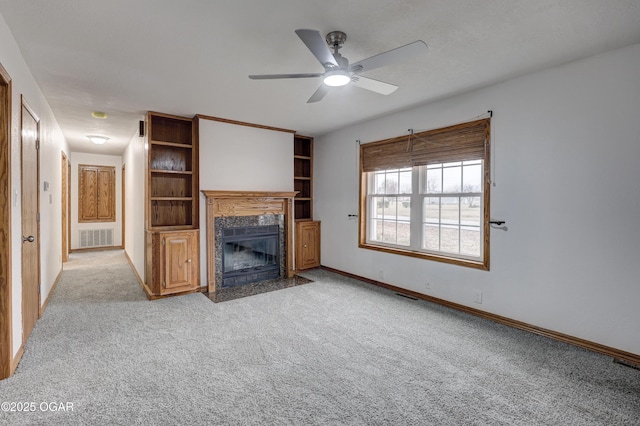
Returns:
<point x="171" y="205"/>
<point x="174" y="263"/>
<point x="303" y="177"/>
<point x="307" y="244"/>
<point x="307" y="230"/>
<point x="96" y="193"/>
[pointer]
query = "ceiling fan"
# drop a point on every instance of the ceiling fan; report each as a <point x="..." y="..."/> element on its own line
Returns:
<point x="338" y="72"/>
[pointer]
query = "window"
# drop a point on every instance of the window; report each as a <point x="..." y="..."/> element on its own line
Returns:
<point x="426" y="195"/>
<point x="96" y="193"/>
<point x="391" y="206"/>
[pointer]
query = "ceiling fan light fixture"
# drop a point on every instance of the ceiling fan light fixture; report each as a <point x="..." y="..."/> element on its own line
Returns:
<point x="98" y="140"/>
<point x="336" y="78"/>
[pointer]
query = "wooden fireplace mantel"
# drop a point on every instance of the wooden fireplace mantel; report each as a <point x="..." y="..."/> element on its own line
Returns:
<point x="247" y="203"/>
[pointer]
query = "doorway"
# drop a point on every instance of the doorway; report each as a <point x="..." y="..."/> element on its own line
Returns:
<point x="122" y="197"/>
<point x="6" y="350"/>
<point x="30" y="174"/>
<point x="65" y="203"/>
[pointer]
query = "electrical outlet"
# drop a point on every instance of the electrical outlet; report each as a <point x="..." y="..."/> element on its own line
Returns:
<point x="478" y="297"/>
<point x="427" y="284"/>
<point x="381" y="274"/>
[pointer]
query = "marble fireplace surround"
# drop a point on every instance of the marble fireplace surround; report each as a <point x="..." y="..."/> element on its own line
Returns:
<point x="243" y="204"/>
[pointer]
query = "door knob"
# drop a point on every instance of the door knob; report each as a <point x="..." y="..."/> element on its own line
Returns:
<point x="30" y="238"/>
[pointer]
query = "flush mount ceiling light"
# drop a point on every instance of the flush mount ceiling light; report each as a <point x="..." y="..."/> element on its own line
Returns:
<point x="99" y="114"/>
<point x="336" y="78"/>
<point x="98" y="140"/>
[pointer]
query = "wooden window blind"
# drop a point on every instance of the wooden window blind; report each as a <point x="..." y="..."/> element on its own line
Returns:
<point x="460" y="142"/>
<point x="96" y="193"/>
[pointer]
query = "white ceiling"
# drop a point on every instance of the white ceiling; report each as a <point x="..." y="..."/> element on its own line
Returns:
<point x="125" y="57"/>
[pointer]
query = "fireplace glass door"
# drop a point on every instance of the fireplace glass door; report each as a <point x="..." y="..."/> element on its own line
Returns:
<point x="250" y="254"/>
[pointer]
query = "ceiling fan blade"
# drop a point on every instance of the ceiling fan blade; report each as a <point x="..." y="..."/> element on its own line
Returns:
<point x="274" y="76"/>
<point x="389" y="57"/>
<point x="319" y="94"/>
<point x="374" y="85"/>
<point x="318" y="46"/>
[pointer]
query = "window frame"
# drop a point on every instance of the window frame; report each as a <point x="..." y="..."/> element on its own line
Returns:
<point x="417" y="196"/>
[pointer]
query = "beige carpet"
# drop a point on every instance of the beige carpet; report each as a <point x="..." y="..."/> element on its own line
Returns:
<point x="332" y="352"/>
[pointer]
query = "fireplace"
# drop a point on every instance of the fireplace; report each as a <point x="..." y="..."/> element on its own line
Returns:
<point x="250" y="254"/>
<point x="258" y="213"/>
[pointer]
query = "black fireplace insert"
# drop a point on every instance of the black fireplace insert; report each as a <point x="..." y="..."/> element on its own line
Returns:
<point x="250" y="254"/>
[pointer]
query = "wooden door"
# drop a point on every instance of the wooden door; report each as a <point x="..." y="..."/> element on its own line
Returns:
<point x="178" y="260"/>
<point x="6" y="350"/>
<point x="122" y="197"/>
<point x="68" y="205"/>
<point x="65" y="203"/>
<point x="30" y="226"/>
<point x="308" y="244"/>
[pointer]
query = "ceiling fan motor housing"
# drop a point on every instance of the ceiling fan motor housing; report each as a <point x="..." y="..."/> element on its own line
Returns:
<point x="336" y="39"/>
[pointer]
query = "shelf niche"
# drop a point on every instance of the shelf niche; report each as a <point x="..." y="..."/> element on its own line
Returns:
<point x="303" y="177"/>
<point x="172" y="177"/>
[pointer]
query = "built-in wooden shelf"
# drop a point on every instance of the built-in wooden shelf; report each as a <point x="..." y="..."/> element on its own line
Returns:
<point x="303" y="177"/>
<point x="173" y="144"/>
<point x="171" y="198"/>
<point x="176" y="172"/>
<point x="171" y="219"/>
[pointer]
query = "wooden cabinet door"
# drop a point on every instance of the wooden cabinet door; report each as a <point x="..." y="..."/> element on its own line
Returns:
<point x="106" y="202"/>
<point x="96" y="193"/>
<point x="307" y="244"/>
<point x="179" y="257"/>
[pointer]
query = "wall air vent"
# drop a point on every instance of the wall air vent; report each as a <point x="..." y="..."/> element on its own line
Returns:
<point x="96" y="238"/>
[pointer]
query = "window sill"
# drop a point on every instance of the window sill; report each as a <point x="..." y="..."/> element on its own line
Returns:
<point x="427" y="256"/>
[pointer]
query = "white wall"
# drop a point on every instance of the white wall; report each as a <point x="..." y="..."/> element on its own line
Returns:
<point x="133" y="159"/>
<point x="52" y="143"/>
<point x="76" y="159"/>
<point x="566" y="148"/>
<point x="241" y="158"/>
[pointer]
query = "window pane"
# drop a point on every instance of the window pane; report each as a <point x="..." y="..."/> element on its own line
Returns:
<point x="470" y="241"/>
<point x="392" y="183"/>
<point x="470" y="219"/>
<point x="376" y="230"/>
<point x="378" y="184"/>
<point x="405" y="181"/>
<point x="431" y="237"/>
<point x="470" y="211"/>
<point x="452" y="179"/>
<point x="377" y="204"/>
<point x="450" y="210"/>
<point x="404" y="208"/>
<point x="434" y="181"/>
<point x="389" y="232"/>
<point x="472" y="178"/>
<point x="404" y="233"/>
<point x="389" y="207"/>
<point x="431" y="210"/>
<point x="449" y="239"/>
